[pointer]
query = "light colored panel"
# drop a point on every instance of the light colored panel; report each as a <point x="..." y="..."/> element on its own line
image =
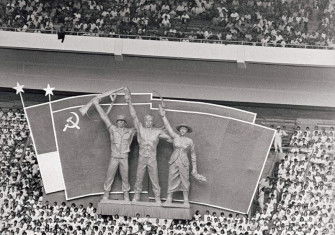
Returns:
<point x="50" y="42"/>
<point x="181" y="50"/>
<point x="290" y="56"/>
<point x="51" y="171"/>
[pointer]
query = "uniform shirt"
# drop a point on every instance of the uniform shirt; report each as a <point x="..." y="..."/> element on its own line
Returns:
<point x="148" y="140"/>
<point x="279" y="134"/>
<point x="121" y="139"/>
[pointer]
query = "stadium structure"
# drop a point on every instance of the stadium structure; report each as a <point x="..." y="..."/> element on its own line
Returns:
<point x="262" y="119"/>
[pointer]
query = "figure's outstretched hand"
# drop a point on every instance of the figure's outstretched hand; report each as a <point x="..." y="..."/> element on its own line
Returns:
<point x="161" y="110"/>
<point x="127" y="94"/>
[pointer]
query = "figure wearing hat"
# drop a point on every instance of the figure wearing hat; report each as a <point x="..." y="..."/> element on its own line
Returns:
<point x="121" y="138"/>
<point x="278" y="139"/>
<point x="179" y="163"/>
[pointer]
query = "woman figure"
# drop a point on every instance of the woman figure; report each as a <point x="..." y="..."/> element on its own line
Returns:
<point x="179" y="164"/>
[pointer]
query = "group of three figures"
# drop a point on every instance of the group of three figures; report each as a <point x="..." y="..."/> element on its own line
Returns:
<point x="148" y="137"/>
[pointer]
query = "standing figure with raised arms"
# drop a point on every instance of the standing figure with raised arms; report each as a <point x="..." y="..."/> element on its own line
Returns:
<point x="121" y="138"/>
<point x="148" y="137"/>
<point x="179" y="163"/>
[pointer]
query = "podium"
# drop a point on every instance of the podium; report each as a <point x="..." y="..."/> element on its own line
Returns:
<point x="144" y="208"/>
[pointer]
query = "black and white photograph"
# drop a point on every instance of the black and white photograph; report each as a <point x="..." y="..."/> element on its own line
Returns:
<point x="167" y="117"/>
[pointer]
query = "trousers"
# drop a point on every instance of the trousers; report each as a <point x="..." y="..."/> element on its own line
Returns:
<point x="149" y="163"/>
<point x="278" y="145"/>
<point x="114" y="164"/>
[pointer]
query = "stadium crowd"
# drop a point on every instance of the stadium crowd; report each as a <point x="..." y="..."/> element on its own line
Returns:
<point x="297" y="200"/>
<point x="270" y="22"/>
<point x="327" y="18"/>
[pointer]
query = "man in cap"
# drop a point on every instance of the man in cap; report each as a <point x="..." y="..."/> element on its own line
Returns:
<point x="278" y="139"/>
<point x="121" y="138"/>
<point x="148" y="138"/>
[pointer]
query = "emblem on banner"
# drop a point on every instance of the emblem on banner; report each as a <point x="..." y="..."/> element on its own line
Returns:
<point x="70" y="123"/>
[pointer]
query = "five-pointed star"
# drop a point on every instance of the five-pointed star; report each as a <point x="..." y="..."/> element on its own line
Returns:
<point x="49" y="90"/>
<point x="18" y="88"/>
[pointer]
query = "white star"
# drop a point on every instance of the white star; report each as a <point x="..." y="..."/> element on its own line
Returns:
<point x="49" y="90"/>
<point x="18" y="88"/>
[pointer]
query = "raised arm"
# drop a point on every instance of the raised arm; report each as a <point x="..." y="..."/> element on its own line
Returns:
<point x="165" y="136"/>
<point x="166" y="122"/>
<point x="132" y="111"/>
<point x="102" y="113"/>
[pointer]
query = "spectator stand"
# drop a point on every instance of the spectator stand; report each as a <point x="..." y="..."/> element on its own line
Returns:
<point x="270" y="23"/>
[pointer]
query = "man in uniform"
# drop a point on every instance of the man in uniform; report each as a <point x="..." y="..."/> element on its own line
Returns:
<point x="121" y="138"/>
<point x="148" y="138"/>
<point x="278" y="139"/>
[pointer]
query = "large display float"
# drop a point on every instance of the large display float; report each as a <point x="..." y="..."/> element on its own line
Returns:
<point x="147" y="155"/>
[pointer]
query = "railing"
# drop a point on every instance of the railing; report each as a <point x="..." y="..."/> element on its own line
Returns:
<point x="167" y="38"/>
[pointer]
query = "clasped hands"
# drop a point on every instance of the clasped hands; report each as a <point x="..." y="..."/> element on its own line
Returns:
<point x="161" y="110"/>
<point x="127" y="95"/>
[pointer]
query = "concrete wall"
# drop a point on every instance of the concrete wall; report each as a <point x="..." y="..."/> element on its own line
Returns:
<point x="151" y="48"/>
<point x="192" y="79"/>
<point x="175" y="69"/>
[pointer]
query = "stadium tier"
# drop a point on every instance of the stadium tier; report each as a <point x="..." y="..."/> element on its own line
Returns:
<point x="285" y="23"/>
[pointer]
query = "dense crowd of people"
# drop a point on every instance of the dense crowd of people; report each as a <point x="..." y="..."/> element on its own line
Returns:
<point x="301" y="195"/>
<point x="327" y="18"/>
<point x="270" y="22"/>
<point x="297" y="200"/>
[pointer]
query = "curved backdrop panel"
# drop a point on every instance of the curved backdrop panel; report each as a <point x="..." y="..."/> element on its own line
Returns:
<point x="231" y="152"/>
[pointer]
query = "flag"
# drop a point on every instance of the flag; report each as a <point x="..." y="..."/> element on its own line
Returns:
<point x="40" y="120"/>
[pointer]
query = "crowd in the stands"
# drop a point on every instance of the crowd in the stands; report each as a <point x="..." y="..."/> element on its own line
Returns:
<point x="301" y="194"/>
<point x="298" y="199"/>
<point x="270" y="22"/>
<point x="327" y="18"/>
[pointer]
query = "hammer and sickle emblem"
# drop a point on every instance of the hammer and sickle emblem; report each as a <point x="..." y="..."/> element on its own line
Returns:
<point x="70" y="123"/>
